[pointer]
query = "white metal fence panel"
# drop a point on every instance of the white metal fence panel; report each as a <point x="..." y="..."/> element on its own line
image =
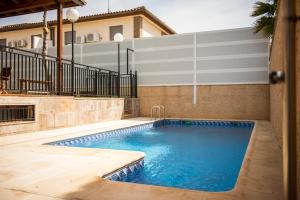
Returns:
<point x="235" y="56"/>
<point x="165" y="60"/>
<point x="231" y="57"/>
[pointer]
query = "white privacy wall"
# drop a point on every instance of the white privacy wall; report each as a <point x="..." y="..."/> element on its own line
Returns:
<point x="235" y="56"/>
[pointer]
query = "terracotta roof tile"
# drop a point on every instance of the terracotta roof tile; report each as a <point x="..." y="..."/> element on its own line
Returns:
<point x="135" y="11"/>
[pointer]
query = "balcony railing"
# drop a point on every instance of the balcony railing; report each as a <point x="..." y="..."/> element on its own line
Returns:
<point x="29" y="72"/>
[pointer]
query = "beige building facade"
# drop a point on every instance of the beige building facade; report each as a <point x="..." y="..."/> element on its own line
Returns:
<point x="134" y="23"/>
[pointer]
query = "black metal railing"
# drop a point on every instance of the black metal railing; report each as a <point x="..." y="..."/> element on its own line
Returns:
<point x="127" y="82"/>
<point x="24" y="71"/>
<point x="11" y="113"/>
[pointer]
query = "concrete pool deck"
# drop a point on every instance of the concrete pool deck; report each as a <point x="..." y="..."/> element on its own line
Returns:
<point x="30" y="170"/>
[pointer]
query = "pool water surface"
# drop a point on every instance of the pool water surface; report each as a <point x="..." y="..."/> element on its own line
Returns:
<point x="184" y="155"/>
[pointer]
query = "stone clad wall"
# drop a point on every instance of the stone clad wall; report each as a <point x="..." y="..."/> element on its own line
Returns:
<point x="277" y="62"/>
<point x="56" y="112"/>
<point x="277" y="92"/>
<point x="249" y="102"/>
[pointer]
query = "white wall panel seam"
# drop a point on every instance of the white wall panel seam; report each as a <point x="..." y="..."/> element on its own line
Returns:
<point x="228" y="43"/>
<point x="248" y="69"/>
<point x="195" y="70"/>
<point x="97" y="53"/>
<point x="233" y="56"/>
<point x="209" y="83"/>
<point x="171" y="60"/>
<point x="165" y="48"/>
<point x="109" y="64"/>
<point x="160" y="73"/>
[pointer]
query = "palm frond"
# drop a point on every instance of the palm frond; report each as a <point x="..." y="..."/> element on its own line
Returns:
<point x="261" y="8"/>
<point x="265" y="13"/>
<point x="266" y="25"/>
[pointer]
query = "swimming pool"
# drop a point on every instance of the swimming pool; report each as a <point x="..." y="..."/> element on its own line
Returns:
<point x="196" y="155"/>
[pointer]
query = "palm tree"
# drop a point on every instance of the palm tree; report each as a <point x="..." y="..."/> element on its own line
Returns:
<point x="265" y="13"/>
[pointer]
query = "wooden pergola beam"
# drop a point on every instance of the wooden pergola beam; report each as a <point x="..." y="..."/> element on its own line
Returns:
<point x="11" y="8"/>
<point x="28" y="5"/>
<point x="16" y="1"/>
<point x="59" y="44"/>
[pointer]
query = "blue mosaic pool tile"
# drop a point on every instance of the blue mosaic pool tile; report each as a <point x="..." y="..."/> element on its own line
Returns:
<point x="134" y="129"/>
<point x="123" y="173"/>
<point x="205" y="123"/>
<point x="99" y="136"/>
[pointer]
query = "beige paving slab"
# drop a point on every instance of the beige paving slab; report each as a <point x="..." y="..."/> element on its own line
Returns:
<point x="8" y="194"/>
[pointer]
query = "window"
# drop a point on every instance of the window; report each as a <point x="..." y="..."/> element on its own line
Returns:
<point x="36" y="43"/>
<point x="52" y="35"/>
<point x="68" y="37"/>
<point x="36" y="40"/>
<point x="11" y="113"/>
<point x="113" y="30"/>
<point x="3" y="42"/>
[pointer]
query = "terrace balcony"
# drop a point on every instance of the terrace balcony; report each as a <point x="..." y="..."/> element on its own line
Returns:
<point x="25" y="72"/>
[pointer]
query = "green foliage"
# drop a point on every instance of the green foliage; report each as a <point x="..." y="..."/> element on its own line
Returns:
<point x="265" y="12"/>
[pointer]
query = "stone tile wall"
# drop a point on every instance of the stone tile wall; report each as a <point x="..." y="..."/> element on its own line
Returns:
<point x="250" y="102"/>
<point x="56" y="112"/>
<point x="277" y="92"/>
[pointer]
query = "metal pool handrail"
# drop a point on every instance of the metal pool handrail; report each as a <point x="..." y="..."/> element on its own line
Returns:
<point x="160" y="109"/>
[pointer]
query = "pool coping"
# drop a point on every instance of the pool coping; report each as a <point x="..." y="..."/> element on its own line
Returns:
<point x="235" y="192"/>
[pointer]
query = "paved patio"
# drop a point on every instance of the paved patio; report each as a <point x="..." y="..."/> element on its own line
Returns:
<point x="30" y="170"/>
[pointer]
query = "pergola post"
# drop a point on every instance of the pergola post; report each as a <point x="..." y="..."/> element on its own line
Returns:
<point x="59" y="45"/>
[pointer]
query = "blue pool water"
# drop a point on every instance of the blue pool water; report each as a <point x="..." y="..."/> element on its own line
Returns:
<point x="186" y="156"/>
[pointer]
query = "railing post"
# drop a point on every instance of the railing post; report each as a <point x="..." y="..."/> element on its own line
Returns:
<point x="127" y="60"/>
<point x="119" y="85"/>
<point x="109" y="84"/>
<point x="1" y="67"/>
<point x="127" y="57"/>
<point x="72" y="70"/>
<point x="135" y="85"/>
<point x="131" y="88"/>
<point x="119" y="71"/>
<point x="96" y="83"/>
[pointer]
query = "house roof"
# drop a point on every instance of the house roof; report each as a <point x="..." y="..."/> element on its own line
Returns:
<point x="135" y="11"/>
<point x="9" y="8"/>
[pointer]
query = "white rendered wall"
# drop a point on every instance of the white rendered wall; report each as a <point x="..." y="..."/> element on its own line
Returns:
<point x="149" y="29"/>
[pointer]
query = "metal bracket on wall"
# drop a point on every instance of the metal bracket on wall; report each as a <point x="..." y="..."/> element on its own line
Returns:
<point x="276" y="77"/>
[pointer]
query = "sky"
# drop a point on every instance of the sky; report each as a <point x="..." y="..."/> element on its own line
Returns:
<point x="182" y="15"/>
